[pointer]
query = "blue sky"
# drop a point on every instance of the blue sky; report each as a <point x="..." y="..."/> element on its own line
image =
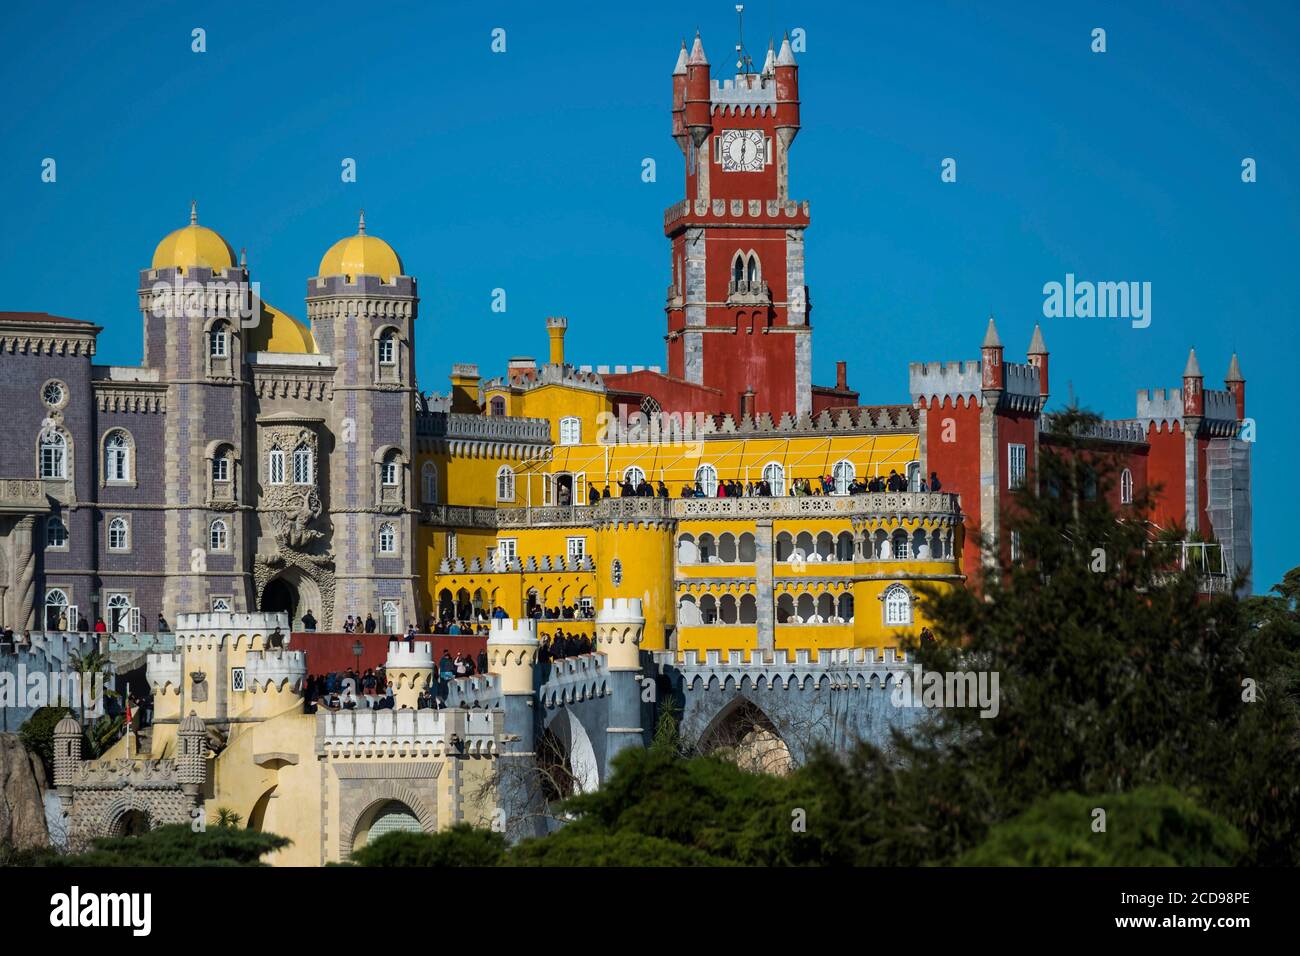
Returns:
<point x="522" y="171"/>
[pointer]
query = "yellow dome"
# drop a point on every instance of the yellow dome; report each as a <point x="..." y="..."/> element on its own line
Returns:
<point x="361" y="255"/>
<point x="193" y="245"/>
<point x="280" y="332"/>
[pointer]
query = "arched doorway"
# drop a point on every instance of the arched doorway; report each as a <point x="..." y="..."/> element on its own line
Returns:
<point x="281" y="596"/>
<point x="130" y="823"/>
<point x="386" y="816"/>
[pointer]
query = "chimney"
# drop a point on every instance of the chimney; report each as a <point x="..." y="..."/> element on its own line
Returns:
<point x="841" y="376"/>
<point x="464" y="388"/>
<point x="555" y="326"/>
<point x="747" y="404"/>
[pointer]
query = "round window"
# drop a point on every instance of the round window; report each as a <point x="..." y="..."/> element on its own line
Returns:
<point x="53" y="394"/>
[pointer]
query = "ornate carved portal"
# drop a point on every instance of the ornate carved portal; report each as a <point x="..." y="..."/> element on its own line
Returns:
<point x="292" y="506"/>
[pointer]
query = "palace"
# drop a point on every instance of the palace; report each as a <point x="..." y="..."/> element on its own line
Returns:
<point x="256" y="465"/>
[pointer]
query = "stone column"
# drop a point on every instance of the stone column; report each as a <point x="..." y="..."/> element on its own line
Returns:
<point x="763" y="574"/>
<point x="24" y="555"/>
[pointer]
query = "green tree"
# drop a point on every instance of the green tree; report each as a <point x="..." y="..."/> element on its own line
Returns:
<point x="1151" y="826"/>
<point x="461" y="845"/>
<point x="1114" y="673"/>
<point x="172" y="845"/>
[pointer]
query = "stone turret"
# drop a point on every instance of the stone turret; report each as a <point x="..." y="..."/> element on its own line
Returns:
<point x="512" y="653"/>
<point x="619" y="627"/>
<point x="512" y="657"/>
<point x="67" y="754"/>
<point x="192" y="755"/>
<point x="410" y="670"/>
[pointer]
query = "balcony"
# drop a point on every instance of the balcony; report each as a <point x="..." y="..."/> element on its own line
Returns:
<point x="22" y="496"/>
<point x="874" y="504"/>
<point x="748" y="292"/>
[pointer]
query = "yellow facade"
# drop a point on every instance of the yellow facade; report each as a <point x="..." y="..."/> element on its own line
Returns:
<point x="319" y="780"/>
<point x="823" y="567"/>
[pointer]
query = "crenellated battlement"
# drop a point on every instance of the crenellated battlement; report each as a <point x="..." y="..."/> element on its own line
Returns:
<point x="1020" y="379"/>
<point x="416" y="657"/>
<point x="506" y="630"/>
<point x="275" y="669"/>
<point x="410" y="734"/>
<point x="1160" y="405"/>
<point x="749" y="94"/>
<point x="935" y="381"/>
<point x="257" y="621"/>
<point x="580" y="377"/>
<point x="843" y="667"/>
<point x="361" y="285"/>
<point x="703" y="211"/>
<point x="621" y="611"/>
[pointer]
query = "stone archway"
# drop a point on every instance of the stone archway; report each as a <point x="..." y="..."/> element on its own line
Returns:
<point x="377" y="798"/>
<point x="294" y="592"/>
<point x="743" y="734"/>
<point x="281" y="597"/>
<point x="128" y="815"/>
<point x="573" y="753"/>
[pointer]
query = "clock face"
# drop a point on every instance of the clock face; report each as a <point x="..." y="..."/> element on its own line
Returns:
<point x="743" y="151"/>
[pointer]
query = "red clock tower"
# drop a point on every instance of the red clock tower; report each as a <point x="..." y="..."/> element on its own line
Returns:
<point x="737" y="306"/>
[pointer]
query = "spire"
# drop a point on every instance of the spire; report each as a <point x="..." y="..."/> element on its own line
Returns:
<point x="680" y="68"/>
<point x="1234" y="370"/>
<point x="1193" y="369"/>
<point x="194" y="212"/>
<point x="1036" y="344"/>
<point x="697" y="52"/>
<point x="361" y="224"/>
<point x="786" y="57"/>
<point x="243" y="258"/>
<point x="770" y="63"/>
<point x="991" y="340"/>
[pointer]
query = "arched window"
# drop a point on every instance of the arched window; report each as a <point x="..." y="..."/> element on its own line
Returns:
<point x="570" y="431"/>
<point x="634" y="476"/>
<point x="429" y="483"/>
<point x="387" y="538"/>
<point x="54" y="455"/>
<point x="220" y="467"/>
<point x="497" y="406"/>
<point x="843" y="474"/>
<point x="650" y="406"/>
<point x="706" y="476"/>
<point x="56" y="608"/>
<point x="505" y="483"/>
<point x="218" y="341"/>
<point x="391" y="469"/>
<point x="774" y="475"/>
<point x="56" y="532"/>
<point x="752" y="270"/>
<point x="302" y="465"/>
<point x="218" y="535"/>
<point x="119" y="613"/>
<point x="898" y="606"/>
<point x="1126" y="487"/>
<point x="738" y="269"/>
<point x="387" y="349"/>
<point x="117" y="456"/>
<point x="119" y="538"/>
<point x="388" y="612"/>
<point x="275" y="466"/>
